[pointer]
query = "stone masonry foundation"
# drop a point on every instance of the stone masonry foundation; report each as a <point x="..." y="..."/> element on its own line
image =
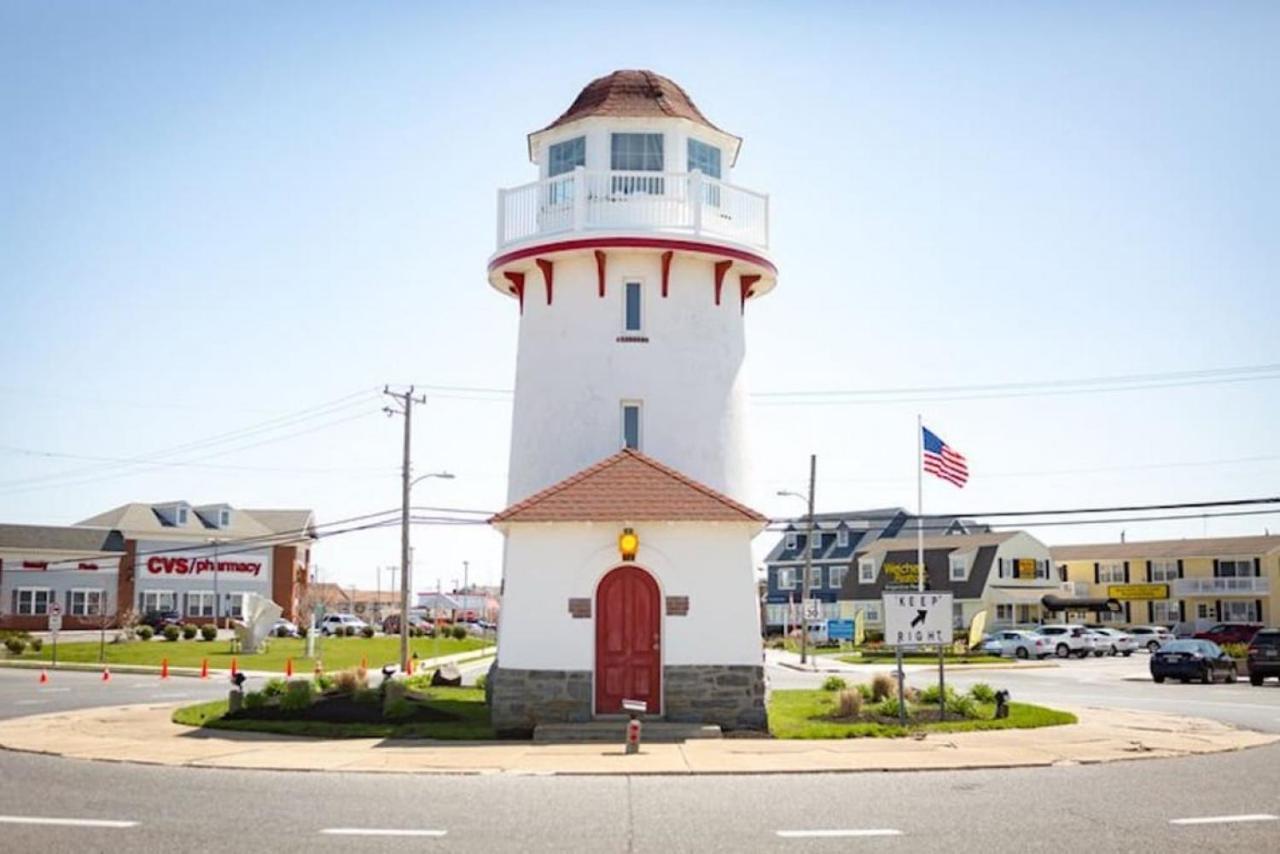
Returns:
<point x="519" y="700"/>
<point x="730" y="695"/>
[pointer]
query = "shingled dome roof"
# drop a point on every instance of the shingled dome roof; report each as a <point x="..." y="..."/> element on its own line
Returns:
<point x="637" y="93"/>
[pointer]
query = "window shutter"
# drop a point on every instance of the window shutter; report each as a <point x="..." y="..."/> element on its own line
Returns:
<point x="1148" y="571"/>
<point x="1097" y="573"/>
<point x="1128" y="612"/>
<point x="1182" y="607"/>
<point x="66" y="609"/>
<point x="1215" y="567"/>
<point x="13" y="608"/>
<point x="1257" y="569"/>
<point x="1257" y="609"/>
<point x="1217" y="608"/>
<point x="1179" y="567"/>
<point x="1151" y="612"/>
<point x="1126" y="572"/>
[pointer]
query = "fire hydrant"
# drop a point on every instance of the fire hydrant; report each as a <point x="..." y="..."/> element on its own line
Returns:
<point x="634" y="708"/>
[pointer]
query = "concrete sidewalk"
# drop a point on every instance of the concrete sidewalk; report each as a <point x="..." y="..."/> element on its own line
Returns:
<point x="145" y="734"/>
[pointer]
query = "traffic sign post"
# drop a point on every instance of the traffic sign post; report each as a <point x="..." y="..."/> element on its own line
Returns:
<point x="55" y="626"/>
<point x="919" y="619"/>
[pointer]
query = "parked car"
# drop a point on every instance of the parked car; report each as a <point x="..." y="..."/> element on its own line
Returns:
<point x="1151" y="638"/>
<point x="159" y="619"/>
<point x="348" y="621"/>
<point x="1192" y="659"/>
<point x="1229" y="633"/>
<point x="391" y="624"/>
<point x="1115" y="642"/>
<point x="1016" y="643"/>
<point x="1068" y="639"/>
<point x="284" y="628"/>
<point x="990" y="645"/>
<point x="1264" y="656"/>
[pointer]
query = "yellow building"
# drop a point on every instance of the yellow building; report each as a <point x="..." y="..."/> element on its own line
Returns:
<point x="1191" y="584"/>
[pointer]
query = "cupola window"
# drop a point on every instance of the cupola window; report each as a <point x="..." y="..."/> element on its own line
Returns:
<point x="636" y="152"/>
<point x="562" y="158"/>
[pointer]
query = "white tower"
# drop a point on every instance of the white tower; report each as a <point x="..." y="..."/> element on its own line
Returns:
<point x="632" y="258"/>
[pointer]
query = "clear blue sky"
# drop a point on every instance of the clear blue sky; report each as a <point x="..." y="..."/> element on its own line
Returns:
<point x="212" y="215"/>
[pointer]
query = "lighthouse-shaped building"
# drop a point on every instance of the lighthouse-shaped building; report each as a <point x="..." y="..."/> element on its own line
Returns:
<point x="627" y="570"/>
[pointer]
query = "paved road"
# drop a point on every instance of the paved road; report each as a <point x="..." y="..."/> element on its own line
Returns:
<point x="1118" y="807"/>
<point x="1111" y="682"/>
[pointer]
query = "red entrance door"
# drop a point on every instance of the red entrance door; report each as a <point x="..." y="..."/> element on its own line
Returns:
<point x="628" y="641"/>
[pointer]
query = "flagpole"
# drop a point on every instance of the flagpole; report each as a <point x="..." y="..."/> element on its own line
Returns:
<point x="920" y="502"/>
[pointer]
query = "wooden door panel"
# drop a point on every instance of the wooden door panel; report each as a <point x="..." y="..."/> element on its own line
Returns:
<point x="628" y="650"/>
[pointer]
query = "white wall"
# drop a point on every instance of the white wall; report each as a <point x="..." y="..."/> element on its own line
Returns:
<point x="197" y="575"/>
<point x="547" y="564"/>
<point x="572" y="373"/>
<point x="60" y="578"/>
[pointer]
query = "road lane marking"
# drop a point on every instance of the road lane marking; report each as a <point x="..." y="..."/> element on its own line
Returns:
<point x="380" y="831"/>
<point x="30" y="702"/>
<point x="838" y="834"/>
<point x="66" y="822"/>
<point x="1225" y="819"/>
<point x="53" y="690"/>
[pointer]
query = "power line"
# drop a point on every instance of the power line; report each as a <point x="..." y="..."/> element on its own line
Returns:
<point x="31" y="452"/>
<point x="1071" y="522"/>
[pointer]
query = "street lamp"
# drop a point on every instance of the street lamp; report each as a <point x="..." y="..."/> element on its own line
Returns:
<point x="808" y="560"/>
<point x="404" y="556"/>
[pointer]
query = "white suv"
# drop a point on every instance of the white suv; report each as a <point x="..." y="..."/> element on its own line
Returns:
<point x="1151" y="638"/>
<point x="332" y="621"/>
<point x="1067" y="639"/>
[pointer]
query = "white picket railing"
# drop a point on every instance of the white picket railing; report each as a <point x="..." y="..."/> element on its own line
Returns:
<point x="688" y="203"/>
<point x="1247" y="586"/>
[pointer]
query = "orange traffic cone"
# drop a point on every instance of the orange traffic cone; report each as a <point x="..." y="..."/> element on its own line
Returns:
<point x="364" y="663"/>
<point x="319" y="667"/>
<point x="106" y="673"/>
<point x="233" y="667"/>
<point x="288" y="668"/>
<point x="44" y="677"/>
<point x="204" y="668"/>
<point x="164" y="668"/>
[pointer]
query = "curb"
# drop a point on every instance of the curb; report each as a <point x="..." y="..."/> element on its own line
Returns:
<point x="1038" y="665"/>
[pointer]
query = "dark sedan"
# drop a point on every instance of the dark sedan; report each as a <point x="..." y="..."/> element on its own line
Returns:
<point x="1192" y="659"/>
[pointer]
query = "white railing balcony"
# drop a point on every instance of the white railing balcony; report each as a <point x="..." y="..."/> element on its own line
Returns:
<point x="685" y="203"/>
<point x="1247" y="586"/>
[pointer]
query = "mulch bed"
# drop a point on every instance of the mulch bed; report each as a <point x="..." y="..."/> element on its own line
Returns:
<point x="340" y="710"/>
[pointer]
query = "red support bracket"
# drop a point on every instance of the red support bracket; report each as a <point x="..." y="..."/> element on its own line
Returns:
<point x="517" y="286"/>
<point x="722" y="267"/>
<point x="666" y="271"/>
<point x="548" y="269"/>
<point x="745" y="284"/>
<point x="600" y="262"/>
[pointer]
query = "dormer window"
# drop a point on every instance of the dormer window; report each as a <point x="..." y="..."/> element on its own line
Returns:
<point x="842" y="538"/>
<point x="224" y="518"/>
<point x="636" y="152"/>
<point x="180" y="516"/>
<point x="817" y="542"/>
<point x="792" y="541"/>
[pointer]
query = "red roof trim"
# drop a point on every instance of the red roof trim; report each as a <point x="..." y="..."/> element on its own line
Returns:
<point x="733" y="508"/>
<point x="633" y="243"/>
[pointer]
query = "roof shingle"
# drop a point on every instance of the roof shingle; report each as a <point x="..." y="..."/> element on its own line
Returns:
<point x="633" y="92"/>
<point x="628" y="486"/>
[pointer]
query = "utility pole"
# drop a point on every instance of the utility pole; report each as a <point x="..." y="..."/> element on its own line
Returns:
<point x="466" y="576"/>
<point x="805" y="586"/>
<point x="404" y="406"/>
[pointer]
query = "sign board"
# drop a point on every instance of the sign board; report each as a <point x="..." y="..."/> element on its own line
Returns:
<point x="55" y="623"/>
<point x="905" y="574"/>
<point x="55" y="610"/>
<point x="977" y="628"/>
<point x="1026" y="567"/>
<point x="1137" y="592"/>
<point x="840" y="629"/>
<point x="917" y="619"/>
<point x="813" y="609"/>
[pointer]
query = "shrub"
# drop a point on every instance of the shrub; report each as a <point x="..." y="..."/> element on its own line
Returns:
<point x="398" y="709"/>
<point x="350" y="680"/>
<point x="983" y="693"/>
<point x="324" y="682"/>
<point x="5" y="634"/>
<point x="459" y="632"/>
<point x="15" y="645"/>
<point x="445" y="629"/>
<point x="1236" y="650"/>
<point x="961" y="706"/>
<point x="833" y="683"/>
<point x="274" y="687"/>
<point x="848" y="704"/>
<point x="874" y="636"/>
<point x="367" y="631"/>
<point x="366" y="695"/>
<point x="881" y="686"/>
<point x="932" y="695"/>
<point x="190" y="630"/>
<point x="172" y="633"/>
<point x="209" y="631"/>
<point x="889" y="708"/>
<point x="482" y="681"/>
<point x="37" y="644"/>
<point x="255" y="699"/>
<point x="298" y="694"/>
<point x="144" y="632"/>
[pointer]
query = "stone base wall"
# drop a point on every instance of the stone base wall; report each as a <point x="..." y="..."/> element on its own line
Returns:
<point x="730" y="695"/>
<point x="519" y="700"/>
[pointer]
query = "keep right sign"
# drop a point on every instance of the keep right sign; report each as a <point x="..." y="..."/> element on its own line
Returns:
<point x="917" y="619"/>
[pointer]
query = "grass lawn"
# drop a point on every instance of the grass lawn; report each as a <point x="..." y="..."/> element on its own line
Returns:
<point x="909" y="658"/>
<point x="805" y="714"/>
<point x="466" y="703"/>
<point x="336" y="653"/>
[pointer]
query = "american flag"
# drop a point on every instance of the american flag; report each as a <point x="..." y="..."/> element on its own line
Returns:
<point x="943" y="461"/>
